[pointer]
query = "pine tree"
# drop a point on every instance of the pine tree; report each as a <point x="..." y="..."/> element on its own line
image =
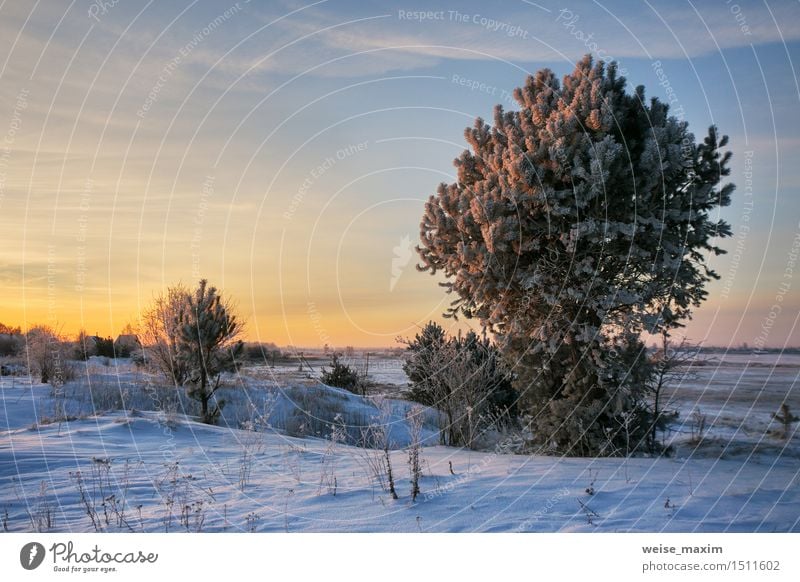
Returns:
<point x="423" y="363"/>
<point x="340" y="375"/>
<point x="465" y="378"/>
<point x="207" y="344"/>
<point x="577" y="223"/>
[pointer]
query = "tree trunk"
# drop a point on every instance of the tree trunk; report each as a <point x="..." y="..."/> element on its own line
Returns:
<point x="204" y="396"/>
<point x="204" y="407"/>
<point x="451" y="429"/>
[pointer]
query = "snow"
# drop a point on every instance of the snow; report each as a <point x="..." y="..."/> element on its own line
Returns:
<point x="159" y="470"/>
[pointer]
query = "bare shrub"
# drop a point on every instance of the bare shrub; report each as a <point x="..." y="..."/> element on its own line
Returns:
<point x="327" y="478"/>
<point x="671" y="364"/>
<point x="46" y="353"/>
<point x="159" y="331"/>
<point x="292" y="464"/>
<point x="252" y="444"/>
<point x="107" y="395"/>
<point x="181" y="497"/>
<point x="87" y="500"/>
<point x="41" y="516"/>
<point x="697" y="427"/>
<point x="376" y="445"/>
<point x="415" y="419"/>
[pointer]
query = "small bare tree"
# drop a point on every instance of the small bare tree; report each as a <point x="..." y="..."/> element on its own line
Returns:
<point x="160" y="335"/>
<point x="415" y="417"/>
<point x="697" y="427"/>
<point x="46" y="354"/>
<point x="671" y="364"/>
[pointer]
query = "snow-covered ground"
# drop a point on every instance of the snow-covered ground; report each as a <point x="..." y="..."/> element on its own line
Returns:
<point x="153" y="468"/>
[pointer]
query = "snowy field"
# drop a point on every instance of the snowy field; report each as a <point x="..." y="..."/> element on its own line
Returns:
<point x="116" y="452"/>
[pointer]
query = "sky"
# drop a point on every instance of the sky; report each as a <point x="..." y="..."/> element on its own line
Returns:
<point x="284" y="150"/>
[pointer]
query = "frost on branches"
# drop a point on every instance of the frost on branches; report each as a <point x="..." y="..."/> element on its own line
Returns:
<point x="577" y="223"/>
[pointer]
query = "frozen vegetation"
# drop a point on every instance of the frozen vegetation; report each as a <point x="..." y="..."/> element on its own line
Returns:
<point x="116" y="450"/>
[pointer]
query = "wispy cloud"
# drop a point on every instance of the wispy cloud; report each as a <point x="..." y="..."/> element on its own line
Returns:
<point x="519" y="32"/>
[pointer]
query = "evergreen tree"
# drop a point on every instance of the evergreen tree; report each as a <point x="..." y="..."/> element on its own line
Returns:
<point x="424" y="361"/>
<point x="577" y="223"/>
<point x="104" y="346"/>
<point x="84" y="346"/>
<point x="464" y="377"/>
<point x="340" y="375"/>
<point x="496" y="398"/>
<point x="207" y="344"/>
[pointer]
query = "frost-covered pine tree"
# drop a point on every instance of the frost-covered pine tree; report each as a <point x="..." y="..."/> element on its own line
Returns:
<point x="207" y="344"/>
<point x="577" y="223"/>
<point x="425" y="361"/>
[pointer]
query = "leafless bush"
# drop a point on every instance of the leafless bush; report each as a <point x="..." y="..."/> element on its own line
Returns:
<point x="672" y="364"/>
<point x="106" y="395"/>
<point x="291" y="462"/>
<point x="160" y="332"/>
<point x="697" y="427"/>
<point x="42" y="517"/>
<point x="87" y="500"/>
<point x="181" y="497"/>
<point x="47" y="355"/>
<point x="259" y="420"/>
<point x="168" y="487"/>
<point x="376" y="445"/>
<point x="252" y="444"/>
<point x="327" y="478"/>
<point x="415" y="419"/>
<point x="117" y="502"/>
<point x="54" y="410"/>
<point x="167" y="400"/>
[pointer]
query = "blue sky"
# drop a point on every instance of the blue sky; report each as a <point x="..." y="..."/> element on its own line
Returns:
<point x="284" y="149"/>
